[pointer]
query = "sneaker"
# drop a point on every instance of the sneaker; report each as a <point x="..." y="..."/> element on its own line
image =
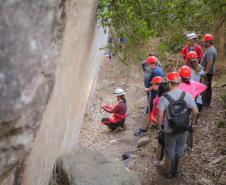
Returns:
<point x="158" y="163"/>
<point x="154" y="127"/>
<point x="140" y="132"/>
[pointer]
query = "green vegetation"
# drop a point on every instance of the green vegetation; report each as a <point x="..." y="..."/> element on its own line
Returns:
<point x="138" y="20"/>
<point x="221" y="124"/>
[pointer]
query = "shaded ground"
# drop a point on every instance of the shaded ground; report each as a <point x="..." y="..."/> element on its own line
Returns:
<point x="209" y="140"/>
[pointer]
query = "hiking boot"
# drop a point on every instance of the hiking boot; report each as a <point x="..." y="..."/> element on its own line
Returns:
<point x="119" y="129"/>
<point x="177" y="167"/>
<point x="168" y="170"/>
<point x="140" y="132"/>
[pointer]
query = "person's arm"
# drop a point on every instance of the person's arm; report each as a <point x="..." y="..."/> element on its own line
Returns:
<point x="160" y="117"/>
<point x="192" y="105"/>
<point x="199" y="53"/>
<point x="183" y="54"/>
<point x="148" y="89"/>
<point x="209" y="66"/>
<point x="143" y="65"/>
<point x="209" y="62"/>
<point x="195" y="113"/>
<point x="110" y="109"/>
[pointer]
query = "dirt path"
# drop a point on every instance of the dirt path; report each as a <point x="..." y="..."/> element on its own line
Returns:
<point x="209" y="142"/>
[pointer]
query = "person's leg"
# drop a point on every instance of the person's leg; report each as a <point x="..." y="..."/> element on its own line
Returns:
<point x="210" y="88"/>
<point x="199" y="106"/>
<point x="170" y="144"/>
<point x="119" y="125"/>
<point x="106" y="122"/>
<point x="208" y="93"/>
<point x="146" y="123"/>
<point x="180" y="147"/>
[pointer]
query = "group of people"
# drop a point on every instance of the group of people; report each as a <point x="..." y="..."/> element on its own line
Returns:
<point x="173" y="100"/>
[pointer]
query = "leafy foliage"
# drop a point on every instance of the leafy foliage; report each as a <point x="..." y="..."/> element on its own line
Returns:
<point x="139" y="20"/>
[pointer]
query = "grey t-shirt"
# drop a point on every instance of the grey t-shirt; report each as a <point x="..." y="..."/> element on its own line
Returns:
<point x="209" y="55"/>
<point x="175" y="94"/>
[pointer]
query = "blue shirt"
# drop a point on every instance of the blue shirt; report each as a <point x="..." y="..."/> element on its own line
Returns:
<point x="148" y="78"/>
<point x="151" y="74"/>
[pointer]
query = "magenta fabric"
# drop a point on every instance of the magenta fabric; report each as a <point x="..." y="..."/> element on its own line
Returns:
<point x="118" y="110"/>
<point x="194" y="88"/>
<point x="154" y="111"/>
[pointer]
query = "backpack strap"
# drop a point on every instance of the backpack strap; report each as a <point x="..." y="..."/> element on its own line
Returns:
<point x="182" y="96"/>
<point x="169" y="98"/>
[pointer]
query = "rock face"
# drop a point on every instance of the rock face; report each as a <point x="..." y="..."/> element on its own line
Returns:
<point x="29" y="31"/>
<point x="86" y="167"/>
<point x="76" y="73"/>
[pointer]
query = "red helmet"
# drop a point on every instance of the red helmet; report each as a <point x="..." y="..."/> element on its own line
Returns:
<point x="173" y="77"/>
<point x="185" y="72"/>
<point x="157" y="80"/>
<point x="208" y="37"/>
<point x="192" y="55"/>
<point x="152" y="59"/>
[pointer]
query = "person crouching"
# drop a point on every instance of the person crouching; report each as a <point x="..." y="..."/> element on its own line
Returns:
<point x="117" y="121"/>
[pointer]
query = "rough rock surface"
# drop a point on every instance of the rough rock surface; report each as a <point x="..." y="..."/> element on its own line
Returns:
<point x="29" y="31"/>
<point x="87" y="167"/>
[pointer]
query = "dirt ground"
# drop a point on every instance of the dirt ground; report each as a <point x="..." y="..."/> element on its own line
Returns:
<point x="209" y="140"/>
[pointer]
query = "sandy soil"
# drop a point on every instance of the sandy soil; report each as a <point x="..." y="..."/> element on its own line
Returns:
<point x="209" y="140"/>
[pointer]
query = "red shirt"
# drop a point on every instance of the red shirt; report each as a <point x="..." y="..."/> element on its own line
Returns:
<point x="197" y="48"/>
<point x="118" y="110"/>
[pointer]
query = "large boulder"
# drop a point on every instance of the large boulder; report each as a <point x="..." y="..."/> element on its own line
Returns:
<point x="87" y="167"/>
<point x="29" y="31"/>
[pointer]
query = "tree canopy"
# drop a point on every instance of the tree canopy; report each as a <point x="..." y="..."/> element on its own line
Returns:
<point x="141" y="19"/>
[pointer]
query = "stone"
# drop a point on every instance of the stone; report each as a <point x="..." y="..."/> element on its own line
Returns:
<point x="30" y="34"/>
<point x="87" y="167"/>
<point x="222" y="179"/>
<point x="143" y="141"/>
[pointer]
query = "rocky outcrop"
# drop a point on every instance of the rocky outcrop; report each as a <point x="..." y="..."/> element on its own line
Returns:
<point x="76" y="74"/>
<point x="45" y="82"/>
<point x="30" y="34"/>
<point x="86" y="167"/>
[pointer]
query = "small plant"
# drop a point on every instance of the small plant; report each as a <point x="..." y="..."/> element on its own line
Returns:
<point x="221" y="124"/>
<point x="223" y="98"/>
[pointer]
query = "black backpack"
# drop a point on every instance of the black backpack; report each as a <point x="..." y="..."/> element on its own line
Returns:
<point x="177" y="113"/>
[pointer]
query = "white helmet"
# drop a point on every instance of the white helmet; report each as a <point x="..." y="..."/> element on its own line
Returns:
<point x="119" y="92"/>
<point x="191" y="36"/>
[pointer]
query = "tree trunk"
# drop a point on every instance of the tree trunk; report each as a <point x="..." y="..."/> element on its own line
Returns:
<point x="220" y="39"/>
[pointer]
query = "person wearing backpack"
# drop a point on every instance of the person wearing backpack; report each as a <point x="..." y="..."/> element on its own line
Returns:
<point x="176" y="107"/>
<point x="195" y="89"/>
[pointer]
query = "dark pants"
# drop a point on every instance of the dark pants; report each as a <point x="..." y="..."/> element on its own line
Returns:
<point x="207" y="95"/>
<point x="150" y="103"/>
<point x="113" y="126"/>
<point x="199" y="106"/>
